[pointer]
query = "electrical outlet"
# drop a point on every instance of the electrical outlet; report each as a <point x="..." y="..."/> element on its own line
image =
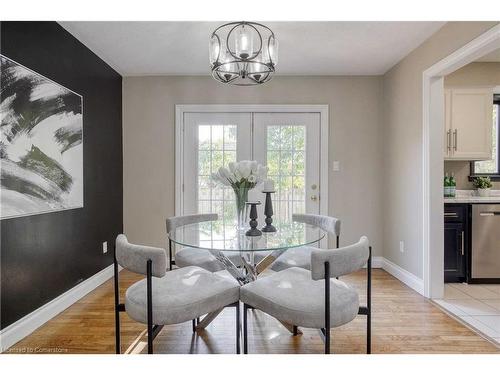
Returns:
<point x="402" y="246"/>
<point x="105" y="247"/>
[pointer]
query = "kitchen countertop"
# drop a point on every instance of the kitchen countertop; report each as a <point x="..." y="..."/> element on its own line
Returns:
<point x="470" y="196"/>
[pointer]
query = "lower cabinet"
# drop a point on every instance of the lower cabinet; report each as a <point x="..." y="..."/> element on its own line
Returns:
<point x="455" y="242"/>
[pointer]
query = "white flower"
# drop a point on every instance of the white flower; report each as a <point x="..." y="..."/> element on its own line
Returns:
<point x="245" y="168"/>
<point x="236" y="173"/>
<point x="254" y="166"/>
<point x="224" y="172"/>
<point x="232" y="167"/>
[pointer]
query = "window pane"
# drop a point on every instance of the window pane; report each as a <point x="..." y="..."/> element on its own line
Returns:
<point x="273" y="163"/>
<point x="217" y="137"/>
<point x="216" y="148"/>
<point x="204" y="137"/>
<point x="203" y="188"/>
<point x="286" y="163"/>
<point x="491" y="166"/>
<point x="204" y="163"/>
<point x="273" y="138"/>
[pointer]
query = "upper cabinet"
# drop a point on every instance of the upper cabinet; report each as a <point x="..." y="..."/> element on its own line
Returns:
<point x="468" y="124"/>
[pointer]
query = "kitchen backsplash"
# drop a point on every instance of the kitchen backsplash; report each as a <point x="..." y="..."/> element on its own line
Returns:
<point x="461" y="169"/>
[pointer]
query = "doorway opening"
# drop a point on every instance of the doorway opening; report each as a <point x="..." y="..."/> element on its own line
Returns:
<point x="434" y="149"/>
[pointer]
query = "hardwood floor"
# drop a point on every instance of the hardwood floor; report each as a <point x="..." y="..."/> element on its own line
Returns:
<point x="403" y="322"/>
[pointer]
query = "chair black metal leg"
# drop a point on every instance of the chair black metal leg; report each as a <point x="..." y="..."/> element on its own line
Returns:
<point x="327" y="308"/>
<point x="369" y="304"/>
<point x="117" y="311"/>
<point x="245" y="329"/>
<point x="238" y="349"/>
<point x="150" y="305"/>
<point x="338" y="241"/>
<point x="194" y="325"/>
<point x="198" y="320"/>
<point x="170" y="253"/>
<point x="295" y="330"/>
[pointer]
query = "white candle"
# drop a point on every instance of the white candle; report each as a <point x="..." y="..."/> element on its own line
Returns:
<point x="268" y="186"/>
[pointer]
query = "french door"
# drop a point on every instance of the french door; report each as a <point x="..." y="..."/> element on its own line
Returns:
<point x="288" y="143"/>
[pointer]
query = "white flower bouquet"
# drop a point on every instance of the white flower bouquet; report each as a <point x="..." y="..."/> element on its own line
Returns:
<point x="241" y="176"/>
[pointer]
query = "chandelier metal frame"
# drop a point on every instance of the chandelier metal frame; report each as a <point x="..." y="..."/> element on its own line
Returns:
<point x="252" y="70"/>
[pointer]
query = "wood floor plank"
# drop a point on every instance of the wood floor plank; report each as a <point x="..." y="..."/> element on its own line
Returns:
<point x="403" y="322"/>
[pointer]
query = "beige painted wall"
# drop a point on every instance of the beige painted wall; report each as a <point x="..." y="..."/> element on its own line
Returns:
<point x="403" y="158"/>
<point x="461" y="170"/>
<point x="480" y="74"/>
<point x="477" y="74"/>
<point x="355" y="193"/>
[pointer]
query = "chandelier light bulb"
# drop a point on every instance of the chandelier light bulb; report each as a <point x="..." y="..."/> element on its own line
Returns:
<point x="244" y="42"/>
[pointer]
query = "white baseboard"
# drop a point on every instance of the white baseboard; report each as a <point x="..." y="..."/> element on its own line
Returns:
<point x="377" y="262"/>
<point x="26" y="325"/>
<point x="403" y="275"/>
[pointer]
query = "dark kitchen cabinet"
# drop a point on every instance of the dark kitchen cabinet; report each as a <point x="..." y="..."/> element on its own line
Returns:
<point x="455" y="242"/>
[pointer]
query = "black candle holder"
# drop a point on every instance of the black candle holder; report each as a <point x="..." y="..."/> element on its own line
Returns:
<point x="253" y="231"/>
<point x="268" y="211"/>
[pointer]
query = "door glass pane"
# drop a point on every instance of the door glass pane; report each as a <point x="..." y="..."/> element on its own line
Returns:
<point x="286" y="162"/>
<point x="216" y="148"/>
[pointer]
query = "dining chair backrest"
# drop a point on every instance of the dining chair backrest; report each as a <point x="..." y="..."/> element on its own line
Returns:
<point x="342" y="261"/>
<point x="327" y="223"/>
<point x="135" y="257"/>
<point x="177" y="221"/>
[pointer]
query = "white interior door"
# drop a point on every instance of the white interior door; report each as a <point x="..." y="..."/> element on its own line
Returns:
<point x="288" y="143"/>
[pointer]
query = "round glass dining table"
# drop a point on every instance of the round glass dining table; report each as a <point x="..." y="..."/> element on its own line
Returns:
<point x="253" y="253"/>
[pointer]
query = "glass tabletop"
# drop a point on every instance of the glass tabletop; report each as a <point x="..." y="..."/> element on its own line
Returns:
<point x="217" y="235"/>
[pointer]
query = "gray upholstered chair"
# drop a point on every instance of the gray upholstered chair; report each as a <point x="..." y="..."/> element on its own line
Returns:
<point x="189" y="256"/>
<point x="301" y="256"/>
<point x="165" y="298"/>
<point x="313" y="299"/>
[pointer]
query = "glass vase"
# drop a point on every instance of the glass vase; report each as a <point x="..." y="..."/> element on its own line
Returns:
<point x="241" y="196"/>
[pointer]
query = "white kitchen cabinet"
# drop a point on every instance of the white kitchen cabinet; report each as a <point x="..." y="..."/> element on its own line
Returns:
<point x="468" y="123"/>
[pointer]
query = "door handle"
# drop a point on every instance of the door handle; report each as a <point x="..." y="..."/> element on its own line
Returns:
<point x="455" y="139"/>
<point x="488" y="213"/>
<point x="450" y="214"/>
<point x="448" y="140"/>
<point x="314" y="198"/>
<point x="463" y="251"/>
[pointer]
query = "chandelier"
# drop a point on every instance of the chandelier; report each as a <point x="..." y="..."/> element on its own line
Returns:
<point x="243" y="53"/>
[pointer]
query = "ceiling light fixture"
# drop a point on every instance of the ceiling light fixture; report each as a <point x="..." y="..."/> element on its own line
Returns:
<point x="243" y="53"/>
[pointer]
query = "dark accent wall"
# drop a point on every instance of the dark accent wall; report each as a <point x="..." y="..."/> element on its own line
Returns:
<point x="43" y="256"/>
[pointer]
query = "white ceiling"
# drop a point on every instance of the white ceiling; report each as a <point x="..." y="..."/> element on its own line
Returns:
<point x="491" y="57"/>
<point x="305" y="48"/>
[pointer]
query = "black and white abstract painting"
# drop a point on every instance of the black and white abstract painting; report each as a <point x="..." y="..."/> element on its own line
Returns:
<point x="41" y="143"/>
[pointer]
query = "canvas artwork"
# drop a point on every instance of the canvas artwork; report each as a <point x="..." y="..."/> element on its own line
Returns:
<point x="41" y="143"/>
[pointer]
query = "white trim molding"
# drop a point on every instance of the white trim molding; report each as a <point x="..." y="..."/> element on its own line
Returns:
<point x="26" y="325"/>
<point x="180" y="110"/>
<point x="432" y="124"/>
<point x="402" y="275"/>
<point x="377" y="262"/>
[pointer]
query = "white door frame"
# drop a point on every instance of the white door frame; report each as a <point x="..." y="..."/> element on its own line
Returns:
<point x="180" y="110"/>
<point x="433" y="168"/>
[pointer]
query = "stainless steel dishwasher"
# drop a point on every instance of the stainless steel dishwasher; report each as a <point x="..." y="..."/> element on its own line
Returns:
<point x="485" y="252"/>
